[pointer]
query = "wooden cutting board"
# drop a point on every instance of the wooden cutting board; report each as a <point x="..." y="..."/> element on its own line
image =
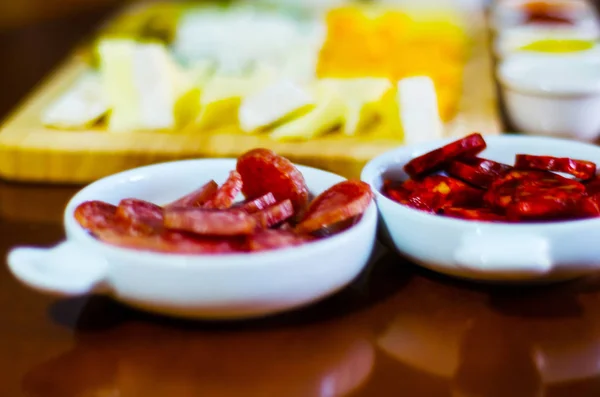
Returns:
<point x="31" y="152"/>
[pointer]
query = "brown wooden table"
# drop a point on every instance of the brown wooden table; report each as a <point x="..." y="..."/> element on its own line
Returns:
<point x="398" y="330"/>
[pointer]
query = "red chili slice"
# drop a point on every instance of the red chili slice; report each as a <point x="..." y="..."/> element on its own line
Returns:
<point x="399" y="195"/>
<point x="269" y="239"/>
<point x="197" y="198"/>
<point x="173" y="242"/>
<point x="338" y="203"/>
<point x="96" y="215"/>
<point x="226" y="194"/>
<point x="436" y="159"/>
<point x="275" y="214"/>
<point x="519" y="185"/>
<point x="477" y="171"/>
<point x="437" y="191"/>
<point x="477" y="214"/>
<point x="592" y="186"/>
<point x="545" y="12"/>
<point x="258" y="204"/>
<point x="465" y="197"/>
<point x="144" y="217"/>
<point x="581" y="169"/>
<point x="589" y="207"/>
<point x="487" y="166"/>
<point x="265" y="172"/>
<point x="542" y="207"/>
<point x="400" y="191"/>
<point x="210" y="222"/>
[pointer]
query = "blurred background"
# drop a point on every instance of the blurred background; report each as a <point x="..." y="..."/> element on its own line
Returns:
<point x="37" y="34"/>
<point x="446" y="57"/>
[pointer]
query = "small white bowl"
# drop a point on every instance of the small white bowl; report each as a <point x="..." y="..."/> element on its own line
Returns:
<point x="485" y="250"/>
<point x="512" y="42"/>
<point x="508" y="15"/>
<point x="559" y="97"/>
<point x="195" y="286"/>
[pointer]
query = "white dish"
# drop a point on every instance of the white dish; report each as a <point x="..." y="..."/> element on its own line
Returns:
<point x="558" y="97"/>
<point x="195" y="286"/>
<point x="507" y="15"/>
<point x="512" y="42"/>
<point x="485" y="250"/>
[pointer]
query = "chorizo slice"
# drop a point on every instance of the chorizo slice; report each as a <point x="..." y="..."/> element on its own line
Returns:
<point x="96" y="215"/>
<point x="338" y="203"/>
<point x="142" y="216"/>
<point x="198" y="197"/>
<point x="580" y="169"/>
<point x="210" y="222"/>
<point x="258" y="204"/>
<point x="337" y="228"/>
<point x="226" y="194"/>
<point x="173" y="242"/>
<point x="275" y="214"/>
<point x="435" y="160"/>
<point x="264" y="172"/>
<point x="270" y="239"/>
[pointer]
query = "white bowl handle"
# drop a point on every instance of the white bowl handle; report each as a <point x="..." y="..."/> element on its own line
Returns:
<point x="64" y="269"/>
<point x="515" y="255"/>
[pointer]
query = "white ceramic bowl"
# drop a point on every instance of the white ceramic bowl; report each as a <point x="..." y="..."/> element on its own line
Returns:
<point x="507" y="15"/>
<point x="558" y="97"/>
<point x="196" y="286"/>
<point x="512" y="42"/>
<point x="485" y="250"/>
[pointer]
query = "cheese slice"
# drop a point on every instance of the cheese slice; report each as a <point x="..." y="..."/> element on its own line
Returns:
<point x="222" y="96"/>
<point x="142" y="84"/>
<point x="284" y="99"/>
<point x="418" y="110"/>
<point x="192" y="81"/>
<point x="364" y="98"/>
<point x="327" y="114"/>
<point x="81" y="106"/>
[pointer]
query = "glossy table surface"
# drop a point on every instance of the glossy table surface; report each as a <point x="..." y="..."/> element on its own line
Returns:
<point x="398" y="330"/>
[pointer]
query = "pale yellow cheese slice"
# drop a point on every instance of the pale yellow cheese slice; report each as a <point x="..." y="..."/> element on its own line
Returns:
<point x="80" y="107"/>
<point x="327" y="115"/>
<point x="364" y="99"/>
<point x="142" y="83"/>
<point x="284" y="99"/>
<point x="418" y="110"/>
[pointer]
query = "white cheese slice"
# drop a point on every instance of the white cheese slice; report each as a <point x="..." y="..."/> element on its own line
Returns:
<point x="220" y="100"/>
<point x="278" y="101"/>
<point x="364" y="99"/>
<point x="81" y="106"/>
<point x="326" y="115"/>
<point x="222" y="96"/>
<point x="142" y="83"/>
<point x="418" y="108"/>
<point x="155" y="88"/>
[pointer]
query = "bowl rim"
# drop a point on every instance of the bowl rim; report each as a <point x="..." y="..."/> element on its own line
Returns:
<point x="505" y="72"/>
<point x="321" y="247"/>
<point x="378" y="165"/>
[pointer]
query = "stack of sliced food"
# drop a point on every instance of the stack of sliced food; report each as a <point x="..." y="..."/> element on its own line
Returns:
<point x="352" y="70"/>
